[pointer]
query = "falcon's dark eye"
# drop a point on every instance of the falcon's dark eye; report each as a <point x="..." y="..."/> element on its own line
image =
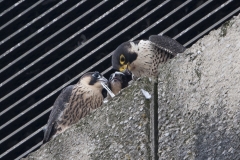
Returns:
<point x="96" y="75"/>
<point x="122" y="59"/>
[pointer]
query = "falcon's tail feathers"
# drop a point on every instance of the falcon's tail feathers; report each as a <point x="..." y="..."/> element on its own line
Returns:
<point x="47" y="133"/>
<point x="168" y="43"/>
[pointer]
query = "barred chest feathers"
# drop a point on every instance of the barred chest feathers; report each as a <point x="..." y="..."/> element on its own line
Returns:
<point x="149" y="57"/>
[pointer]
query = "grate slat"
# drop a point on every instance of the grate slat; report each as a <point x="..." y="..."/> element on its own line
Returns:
<point x="22" y="127"/>
<point x="39" y="30"/>
<point x="22" y="141"/>
<point x="160" y="20"/>
<point x="30" y="150"/>
<point x="185" y="17"/>
<point x="29" y="24"/>
<point x="12" y="7"/>
<point x="21" y="14"/>
<point x="202" y="19"/>
<point x="212" y="26"/>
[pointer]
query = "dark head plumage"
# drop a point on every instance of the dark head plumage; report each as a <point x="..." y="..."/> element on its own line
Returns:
<point x="122" y="56"/>
<point x="118" y="81"/>
<point x="93" y="79"/>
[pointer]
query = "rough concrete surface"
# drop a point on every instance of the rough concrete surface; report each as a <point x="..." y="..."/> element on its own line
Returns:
<point x="117" y="130"/>
<point x="199" y="110"/>
<point x="199" y="99"/>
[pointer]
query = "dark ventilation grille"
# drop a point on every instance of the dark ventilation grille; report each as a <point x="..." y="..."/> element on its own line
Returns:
<point x="48" y="44"/>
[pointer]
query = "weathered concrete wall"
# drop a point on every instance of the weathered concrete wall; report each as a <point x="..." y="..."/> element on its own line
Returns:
<point x="117" y="130"/>
<point x="199" y="99"/>
<point x="199" y="110"/>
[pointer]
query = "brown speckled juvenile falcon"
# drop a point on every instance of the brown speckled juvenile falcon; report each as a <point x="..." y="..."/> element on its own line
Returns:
<point x="74" y="103"/>
<point x="143" y="57"/>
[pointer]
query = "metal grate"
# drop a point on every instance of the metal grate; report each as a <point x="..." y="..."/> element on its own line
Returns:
<point x="48" y="44"/>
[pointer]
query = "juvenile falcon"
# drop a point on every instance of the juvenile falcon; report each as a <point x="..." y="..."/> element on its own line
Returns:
<point x="118" y="81"/>
<point x="143" y="57"/>
<point x="74" y="103"/>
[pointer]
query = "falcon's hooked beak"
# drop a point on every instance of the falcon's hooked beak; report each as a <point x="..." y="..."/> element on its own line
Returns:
<point x="127" y="72"/>
<point x="124" y="69"/>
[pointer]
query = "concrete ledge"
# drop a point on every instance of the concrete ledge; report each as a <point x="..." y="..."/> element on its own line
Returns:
<point x="199" y="99"/>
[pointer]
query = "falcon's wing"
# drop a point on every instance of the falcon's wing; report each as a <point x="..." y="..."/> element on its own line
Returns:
<point x="167" y="43"/>
<point x="58" y="107"/>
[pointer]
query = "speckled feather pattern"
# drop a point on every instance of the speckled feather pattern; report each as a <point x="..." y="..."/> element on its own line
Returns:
<point x="74" y="103"/>
<point x="59" y="105"/>
<point x="149" y="58"/>
<point x="82" y="101"/>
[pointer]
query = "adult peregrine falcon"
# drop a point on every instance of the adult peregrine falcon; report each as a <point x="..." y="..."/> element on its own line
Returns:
<point x="74" y="103"/>
<point x="143" y="57"/>
<point x="118" y="81"/>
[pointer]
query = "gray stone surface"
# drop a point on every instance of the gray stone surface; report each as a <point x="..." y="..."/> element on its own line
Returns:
<point x="199" y="99"/>
<point x="117" y="130"/>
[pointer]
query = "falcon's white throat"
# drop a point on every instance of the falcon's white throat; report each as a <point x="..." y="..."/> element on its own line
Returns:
<point x="143" y="62"/>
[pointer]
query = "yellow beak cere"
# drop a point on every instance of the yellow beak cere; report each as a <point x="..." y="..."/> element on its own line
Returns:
<point x="123" y="68"/>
